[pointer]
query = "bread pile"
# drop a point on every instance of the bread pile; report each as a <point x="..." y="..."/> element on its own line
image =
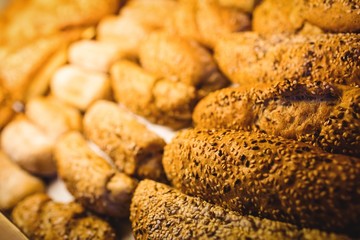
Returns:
<point x="262" y="96"/>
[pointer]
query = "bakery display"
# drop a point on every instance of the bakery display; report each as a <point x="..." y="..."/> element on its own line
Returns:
<point x="199" y="119"/>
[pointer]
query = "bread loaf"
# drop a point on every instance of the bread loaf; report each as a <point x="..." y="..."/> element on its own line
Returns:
<point x="135" y="150"/>
<point x="161" y="212"/>
<point x="15" y="183"/>
<point x="40" y="218"/>
<point x="248" y="58"/>
<point x="267" y="176"/>
<point x="334" y="16"/>
<point x="93" y="181"/>
<point x="320" y="114"/>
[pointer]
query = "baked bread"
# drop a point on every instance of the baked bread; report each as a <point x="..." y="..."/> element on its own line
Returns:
<point x="248" y="58"/>
<point x="206" y="20"/>
<point x="334" y="16"/>
<point x="134" y="149"/>
<point x="40" y="218"/>
<point x="27" y="20"/>
<point x="160" y="100"/>
<point x="281" y="16"/>
<point x="179" y="59"/>
<point x="91" y="179"/>
<point x="317" y="113"/>
<point x="267" y="176"/>
<point x="15" y="183"/>
<point x="28" y="146"/>
<point x="161" y="212"/>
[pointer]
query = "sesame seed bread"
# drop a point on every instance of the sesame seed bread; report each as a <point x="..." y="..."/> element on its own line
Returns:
<point x="267" y="176"/>
<point x="248" y="58"/>
<point x="161" y="212"/>
<point x="318" y="113"/>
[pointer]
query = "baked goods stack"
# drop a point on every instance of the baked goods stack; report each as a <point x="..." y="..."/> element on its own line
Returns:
<point x="262" y="97"/>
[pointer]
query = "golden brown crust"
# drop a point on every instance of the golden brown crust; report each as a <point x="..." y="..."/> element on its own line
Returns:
<point x="135" y="150"/>
<point x="247" y="58"/>
<point x="162" y="101"/>
<point x="280" y="16"/>
<point x="205" y="21"/>
<point x="267" y="176"/>
<point x="32" y="19"/>
<point x="173" y="57"/>
<point x="161" y="212"/>
<point x="335" y="15"/>
<point x="317" y="113"/>
<point x="92" y="181"/>
<point x="17" y="77"/>
<point x="27" y="145"/>
<point x="15" y="183"/>
<point x="6" y="102"/>
<point x="40" y="218"/>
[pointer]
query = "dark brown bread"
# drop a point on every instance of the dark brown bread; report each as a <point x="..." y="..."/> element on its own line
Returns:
<point x="317" y="113"/>
<point x="334" y="15"/>
<point x="136" y="150"/>
<point x="267" y="176"/>
<point x="161" y="212"/>
<point x="248" y="58"/>
<point x="90" y="179"/>
<point x="40" y="218"/>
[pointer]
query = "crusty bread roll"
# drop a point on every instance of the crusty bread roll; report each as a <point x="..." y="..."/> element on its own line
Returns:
<point x="281" y="16"/>
<point x="161" y="212"/>
<point x="15" y="183"/>
<point x="334" y="16"/>
<point x="248" y="58"/>
<point x="170" y="56"/>
<point x="267" y="176"/>
<point x="40" y="218"/>
<point x="206" y="20"/>
<point x="92" y="180"/>
<point x="318" y="113"/>
<point x="160" y="100"/>
<point x="136" y="150"/>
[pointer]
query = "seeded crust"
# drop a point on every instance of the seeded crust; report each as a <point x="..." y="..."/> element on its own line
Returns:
<point x="206" y="20"/>
<point x="160" y="100"/>
<point x="40" y="218"/>
<point x="267" y="176"/>
<point x="161" y="212"/>
<point x="335" y="15"/>
<point x="15" y="183"/>
<point x="135" y="150"/>
<point x="90" y="179"/>
<point x="248" y="58"/>
<point x="179" y="59"/>
<point x="317" y="113"/>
